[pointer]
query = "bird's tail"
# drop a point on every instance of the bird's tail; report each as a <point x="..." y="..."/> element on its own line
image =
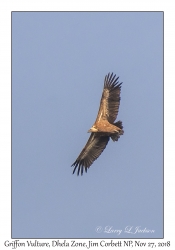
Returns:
<point x="116" y="136"/>
<point x="119" y="125"/>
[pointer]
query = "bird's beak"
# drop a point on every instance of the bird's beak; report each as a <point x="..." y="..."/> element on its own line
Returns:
<point x="89" y="131"/>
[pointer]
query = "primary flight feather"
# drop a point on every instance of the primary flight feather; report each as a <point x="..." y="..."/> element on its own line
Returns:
<point x="104" y="127"/>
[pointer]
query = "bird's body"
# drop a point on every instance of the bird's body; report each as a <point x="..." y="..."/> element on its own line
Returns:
<point x="104" y="127"/>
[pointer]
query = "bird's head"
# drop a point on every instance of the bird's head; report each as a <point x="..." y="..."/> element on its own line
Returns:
<point x="92" y="129"/>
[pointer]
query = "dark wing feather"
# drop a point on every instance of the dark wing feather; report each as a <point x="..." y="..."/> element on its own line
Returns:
<point x="92" y="150"/>
<point x="110" y="99"/>
<point x="113" y="101"/>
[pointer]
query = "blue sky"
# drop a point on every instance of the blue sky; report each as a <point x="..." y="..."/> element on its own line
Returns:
<point x="59" y="61"/>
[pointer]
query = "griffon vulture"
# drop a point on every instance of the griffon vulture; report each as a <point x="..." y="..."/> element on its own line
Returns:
<point x="104" y="127"/>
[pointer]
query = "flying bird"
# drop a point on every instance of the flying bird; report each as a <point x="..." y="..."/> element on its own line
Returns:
<point x="104" y="127"/>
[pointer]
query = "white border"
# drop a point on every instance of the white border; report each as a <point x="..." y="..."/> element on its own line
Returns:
<point x="5" y="94"/>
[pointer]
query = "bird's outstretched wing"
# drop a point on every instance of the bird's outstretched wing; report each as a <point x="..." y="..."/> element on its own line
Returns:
<point x="92" y="150"/>
<point x="110" y="100"/>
